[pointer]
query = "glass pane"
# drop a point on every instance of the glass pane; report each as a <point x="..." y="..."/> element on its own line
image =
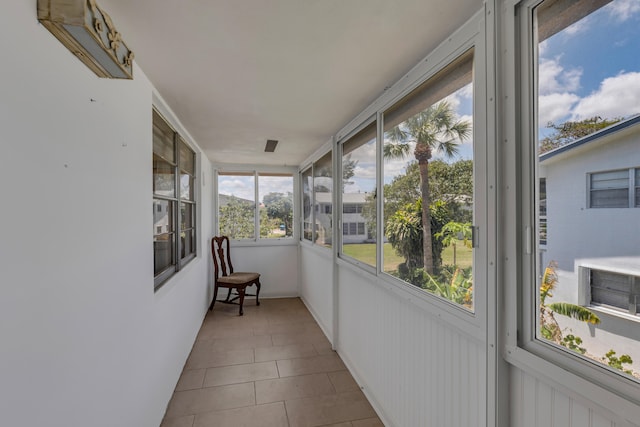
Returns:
<point x="163" y="252"/>
<point x="186" y="216"/>
<point x="237" y="205"/>
<point x="163" y="216"/>
<point x="276" y="206"/>
<point x="323" y="193"/>
<point x="307" y="198"/>
<point x="588" y="79"/>
<point x="359" y="195"/>
<point x="163" y="177"/>
<point x="187" y="158"/>
<point x="186" y="244"/>
<point x="163" y="139"/>
<point x="429" y="187"/>
<point x="186" y="186"/>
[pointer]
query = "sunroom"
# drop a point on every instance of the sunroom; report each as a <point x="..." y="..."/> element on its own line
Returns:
<point x="382" y="164"/>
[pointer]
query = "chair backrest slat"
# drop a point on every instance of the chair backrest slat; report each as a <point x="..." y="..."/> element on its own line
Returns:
<point x="221" y="263"/>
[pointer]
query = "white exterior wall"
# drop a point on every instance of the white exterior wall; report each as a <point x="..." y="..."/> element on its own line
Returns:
<point x="84" y="340"/>
<point x="581" y="236"/>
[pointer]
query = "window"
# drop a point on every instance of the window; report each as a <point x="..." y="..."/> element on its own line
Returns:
<point x="174" y="205"/>
<point x="323" y="194"/>
<point x="578" y="111"/>
<point x="359" y="196"/>
<point x="307" y="202"/>
<point x="620" y="291"/>
<point x="428" y="188"/>
<point x="612" y="189"/>
<point x="250" y="201"/>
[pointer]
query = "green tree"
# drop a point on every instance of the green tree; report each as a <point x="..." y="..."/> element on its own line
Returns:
<point x="237" y="218"/>
<point x="279" y="206"/>
<point x="567" y="132"/>
<point x="450" y="233"/>
<point x="434" y="129"/>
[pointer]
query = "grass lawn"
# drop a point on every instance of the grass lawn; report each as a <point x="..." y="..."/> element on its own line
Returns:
<point x="366" y="252"/>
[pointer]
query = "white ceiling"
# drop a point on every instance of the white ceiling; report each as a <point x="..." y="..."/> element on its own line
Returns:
<point x="239" y="72"/>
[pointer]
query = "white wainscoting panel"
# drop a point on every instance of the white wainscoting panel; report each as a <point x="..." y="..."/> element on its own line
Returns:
<point x="537" y="404"/>
<point x="415" y="369"/>
<point x="316" y="285"/>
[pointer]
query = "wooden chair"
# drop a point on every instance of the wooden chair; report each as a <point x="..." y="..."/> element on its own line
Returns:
<point x="227" y="278"/>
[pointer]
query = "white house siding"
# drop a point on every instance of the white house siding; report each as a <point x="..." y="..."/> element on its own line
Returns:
<point x="84" y="340"/>
<point x="604" y="237"/>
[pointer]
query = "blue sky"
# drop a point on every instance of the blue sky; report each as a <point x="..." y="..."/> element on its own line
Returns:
<point x="592" y="68"/>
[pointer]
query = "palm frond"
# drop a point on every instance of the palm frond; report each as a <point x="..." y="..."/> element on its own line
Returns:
<point x="575" y="311"/>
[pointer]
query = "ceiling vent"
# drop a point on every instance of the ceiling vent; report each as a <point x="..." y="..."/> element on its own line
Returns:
<point x="271" y="146"/>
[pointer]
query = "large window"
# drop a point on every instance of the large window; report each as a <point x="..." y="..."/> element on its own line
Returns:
<point x="585" y="131"/>
<point x="250" y="201"/>
<point x="428" y="194"/>
<point x="359" y="200"/>
<point x="317" y="201"/>
<point x="174" y="206"/>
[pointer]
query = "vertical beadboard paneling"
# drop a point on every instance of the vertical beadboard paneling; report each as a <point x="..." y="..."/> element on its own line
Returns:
<point x="418" y="370"/>
<point x="315" y="286"/>
<point x="538" y="404"/>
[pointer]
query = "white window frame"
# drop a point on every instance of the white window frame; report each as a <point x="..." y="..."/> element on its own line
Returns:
<point x="565" y="371"/>
<point x="256" y="171"/>
<point x="631" y="187"/>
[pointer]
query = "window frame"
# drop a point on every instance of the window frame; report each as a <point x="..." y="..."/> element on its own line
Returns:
<point x="632" y="186"/>
<point x="176" y="202"/>
<point x="256" y="171"/>
<point x="315" y="208"/>
<point x="571" y="371"/>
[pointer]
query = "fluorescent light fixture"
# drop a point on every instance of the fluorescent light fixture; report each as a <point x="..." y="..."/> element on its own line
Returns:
<point x="88" y="32"/>
<point x="270" y="147"/>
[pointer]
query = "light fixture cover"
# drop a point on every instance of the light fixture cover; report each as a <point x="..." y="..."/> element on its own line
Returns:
<point x="88" y="32"/>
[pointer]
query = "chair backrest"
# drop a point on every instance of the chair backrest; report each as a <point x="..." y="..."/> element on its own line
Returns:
<point x="221" y="256"/>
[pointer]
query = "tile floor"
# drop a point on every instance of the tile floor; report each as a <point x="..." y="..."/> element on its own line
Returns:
<point x="272" y="367"/>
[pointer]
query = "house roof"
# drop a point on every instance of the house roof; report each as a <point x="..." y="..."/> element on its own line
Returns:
<point x="594" y="137"/>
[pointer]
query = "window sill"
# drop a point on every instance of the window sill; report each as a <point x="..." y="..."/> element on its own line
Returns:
<point x="600" y="309"/>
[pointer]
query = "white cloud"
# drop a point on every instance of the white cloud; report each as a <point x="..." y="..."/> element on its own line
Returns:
<point x="622" y="10"/>
<point x="616" y="97"/>
<point x="554" y="78"/>
<point x="555" y="106"/>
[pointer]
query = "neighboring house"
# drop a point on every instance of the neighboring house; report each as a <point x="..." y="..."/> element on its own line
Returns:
<point x="590" y="226"/>
<point x="354" y="225"/>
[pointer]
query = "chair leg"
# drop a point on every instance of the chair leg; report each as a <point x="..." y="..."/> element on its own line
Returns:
<point x="258" y="292"/>
<point x="215" y="296"/>
<point x="228" y="295"/>
<point x="241" y="293"/>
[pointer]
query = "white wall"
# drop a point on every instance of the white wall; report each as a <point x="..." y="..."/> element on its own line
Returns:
<point x="84" y="340"/>
<point x="316" y="284"/>
<point x="277" y="265"/>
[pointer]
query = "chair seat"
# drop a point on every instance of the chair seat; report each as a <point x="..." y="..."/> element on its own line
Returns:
<point x="238" y="278"/>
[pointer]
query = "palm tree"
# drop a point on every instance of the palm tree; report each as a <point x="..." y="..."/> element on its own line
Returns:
<point x="434" y="129"/>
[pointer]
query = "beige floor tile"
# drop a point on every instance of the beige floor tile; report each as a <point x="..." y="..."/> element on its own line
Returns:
<point x="321" y="410"/>
<point x="270" y="415"/>
<point x="213" y="330"/>
<point x="287" y="328"/>
<point x="210" y="399"/>
<point x="369" y="422"/>
<point x="347" y="424"/>
<point x="284" y="352"/>
<point x="343" y="381"/>
<point x="300" y="338"/>
<point x="289" y="316"/>
<point x="204" y="358"/>
<point x="190" y="379"/>
<point x="186" y="421"/>
<point x="323" y="347"/>
<point x="240" y="373"/>
<point x="293" y="388"/>
<point x="310" y="365"/>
